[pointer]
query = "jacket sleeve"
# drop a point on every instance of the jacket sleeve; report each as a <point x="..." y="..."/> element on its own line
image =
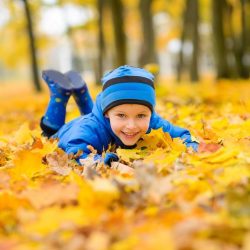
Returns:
<point x="174" y="131"/>
<point x="78" y="135"/>
<point x="75" y="144"/>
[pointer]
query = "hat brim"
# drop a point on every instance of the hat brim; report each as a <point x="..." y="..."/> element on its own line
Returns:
<point x="127" y="101"/>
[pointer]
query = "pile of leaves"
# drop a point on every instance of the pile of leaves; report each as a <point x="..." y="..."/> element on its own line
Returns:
<point x="173" y="199"/>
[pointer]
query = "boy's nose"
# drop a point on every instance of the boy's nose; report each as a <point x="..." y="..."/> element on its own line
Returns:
<point x="131" y="124"/>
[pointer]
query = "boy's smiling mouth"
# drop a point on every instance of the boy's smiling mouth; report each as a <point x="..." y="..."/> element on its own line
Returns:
<point x="129" y="134"/>
<point x="129" y="138"/>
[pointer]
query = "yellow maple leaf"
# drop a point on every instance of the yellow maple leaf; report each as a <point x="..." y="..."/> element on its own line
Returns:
<point x="48" y="146"/>
<point x="232" y="175"/>
<point x="27" y="164"/>
<point x="155" y="139"/>
<point x="129" y="155"/>
<point x="24" y="135"/>
<point x="104" y="190"/>
<point x="98" y="193"/>
<point x="51" y="219"/>
<point x="10" y="201"/>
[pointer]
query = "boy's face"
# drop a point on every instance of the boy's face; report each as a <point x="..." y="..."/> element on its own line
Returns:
<point x="129" y="122"/>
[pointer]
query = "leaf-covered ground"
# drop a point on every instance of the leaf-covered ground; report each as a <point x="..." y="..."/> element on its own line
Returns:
<point x="175" y="199"/>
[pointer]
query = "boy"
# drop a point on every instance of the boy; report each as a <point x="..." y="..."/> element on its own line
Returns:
<point x="123" y="112"/>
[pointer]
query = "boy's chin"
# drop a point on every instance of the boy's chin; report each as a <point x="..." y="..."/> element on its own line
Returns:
<point x="129" y="143"/>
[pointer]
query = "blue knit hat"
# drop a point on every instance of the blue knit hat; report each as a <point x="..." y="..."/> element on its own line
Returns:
<point x="127" y="85"/>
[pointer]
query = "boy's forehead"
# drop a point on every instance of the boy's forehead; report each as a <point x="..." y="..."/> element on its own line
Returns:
<point x="130" y="107"/>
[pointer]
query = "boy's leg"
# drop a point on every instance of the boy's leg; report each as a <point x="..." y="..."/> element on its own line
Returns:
<point x="80" y="92"/>
<point x="60" y="91"/>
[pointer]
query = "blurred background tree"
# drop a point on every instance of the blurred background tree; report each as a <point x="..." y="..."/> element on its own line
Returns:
<point x="116" y="7"/>
<point x="32" y="46"/>
<point x="190" y="32"/>
<point x="186" y="39"/>
<point x="147" y="53"/>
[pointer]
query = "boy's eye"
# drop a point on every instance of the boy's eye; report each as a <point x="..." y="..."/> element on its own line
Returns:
<point x="121" y="115"/>
<point x="141" y="116"/>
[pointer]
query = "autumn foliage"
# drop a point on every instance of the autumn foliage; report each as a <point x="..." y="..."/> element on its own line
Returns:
<point x="172" y="199"/>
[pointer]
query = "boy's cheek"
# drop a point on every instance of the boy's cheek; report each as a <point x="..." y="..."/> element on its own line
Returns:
<point x="146" y="126"/>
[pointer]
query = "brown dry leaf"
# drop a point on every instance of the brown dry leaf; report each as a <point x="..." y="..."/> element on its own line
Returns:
<point x="58" y="161"/>
<point x="37" y="143"/>
<point x="3" y="158"/>
<point x="122" y="168"/>
<point x="92" y="150"/>
<point x="51" y="194"/>
<point x="4" y="180"/>
<point x="208" y="147"/>
<point x="98" y="241"/>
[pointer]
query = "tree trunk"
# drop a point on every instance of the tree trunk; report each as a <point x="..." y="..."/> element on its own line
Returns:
<point x="190" y="32"/>
<point x="219" y="39"/>
<point x="238" y="48"/>
<point x="100" y="40"/>
<point x="34" y="65"/>
<point x="120" y="38"/>
<point x="195" y="40"/>
<point x="244" y="40"/>
<point x="247" y="32"/>
<point x="185" y="21"/>
<point x="148" y="53"/>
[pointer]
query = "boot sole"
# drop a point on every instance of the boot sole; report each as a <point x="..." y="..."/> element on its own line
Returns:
<point x="56" y="77"/>
<point x="75" y="79"/>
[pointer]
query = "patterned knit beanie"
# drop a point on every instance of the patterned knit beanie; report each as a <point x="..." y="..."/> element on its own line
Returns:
<point x="127" y="85"/>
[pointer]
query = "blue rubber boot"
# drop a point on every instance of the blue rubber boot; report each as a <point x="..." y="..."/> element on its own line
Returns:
<point x="80" y="92"/>
<point x="60" y="91"/>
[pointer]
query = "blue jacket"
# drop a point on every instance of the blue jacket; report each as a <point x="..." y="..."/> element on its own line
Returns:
<point x="94" y="129"/>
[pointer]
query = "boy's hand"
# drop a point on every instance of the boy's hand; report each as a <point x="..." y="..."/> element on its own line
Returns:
<point x="110" y="157"/>
<point x="193" y="145"/>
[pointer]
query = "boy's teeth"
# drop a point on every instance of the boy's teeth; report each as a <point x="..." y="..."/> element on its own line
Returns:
<point x="130" y="134"/>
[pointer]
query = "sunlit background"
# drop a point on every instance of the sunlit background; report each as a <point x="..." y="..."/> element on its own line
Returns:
<point x="199" y="51"/>
<point x="180" y="40"/>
